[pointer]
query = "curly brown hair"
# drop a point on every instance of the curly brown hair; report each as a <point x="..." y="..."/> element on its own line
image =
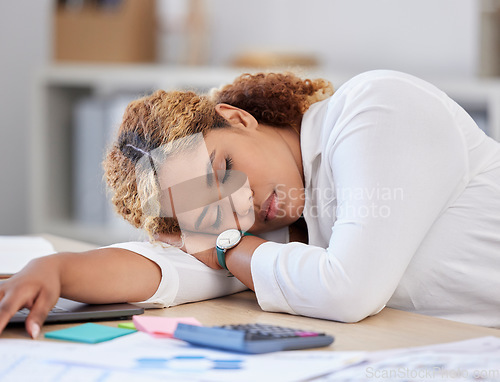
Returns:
<point x="154" y="121"/>
<point x="276" y="99"/>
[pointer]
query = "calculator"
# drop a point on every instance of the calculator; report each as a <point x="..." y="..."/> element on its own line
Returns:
<point x="251" y="338"/>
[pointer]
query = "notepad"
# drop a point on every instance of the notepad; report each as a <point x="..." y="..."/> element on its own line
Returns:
<point x="89" y="333"/>
<point x="17" y="251"/>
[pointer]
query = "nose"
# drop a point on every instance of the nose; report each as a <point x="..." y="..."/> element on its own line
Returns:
<point x="243" y="201"/>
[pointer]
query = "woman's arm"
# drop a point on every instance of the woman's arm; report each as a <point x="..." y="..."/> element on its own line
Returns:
<point x="394" y="136"/>
<point x="108" y="275"/>
<point x="239" y="258"/>
<point x="389" y="135"/>
<point x="99" y="276"/>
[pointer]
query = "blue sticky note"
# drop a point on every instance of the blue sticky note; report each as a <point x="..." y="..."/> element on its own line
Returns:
<point x="88" y="333"/>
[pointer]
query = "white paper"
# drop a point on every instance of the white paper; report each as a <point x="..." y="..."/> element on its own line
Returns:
<point x="139" y="357"/>
<point x="17" y="251"/>
<point x="171" y="358"/>
<point x="469" y="360"/>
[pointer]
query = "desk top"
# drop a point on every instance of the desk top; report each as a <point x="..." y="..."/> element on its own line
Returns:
<point x="388" y="329"/>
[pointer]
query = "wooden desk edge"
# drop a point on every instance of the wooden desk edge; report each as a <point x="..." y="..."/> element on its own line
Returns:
<point x="388" y="329"/>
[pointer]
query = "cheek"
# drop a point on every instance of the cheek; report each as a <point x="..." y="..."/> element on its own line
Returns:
<point x="291" y="203"/>
<point x="229" y="219"/>
<point x="187" y="220"/>
<point x="246" y="222"/>
<point x="293" y="195"/>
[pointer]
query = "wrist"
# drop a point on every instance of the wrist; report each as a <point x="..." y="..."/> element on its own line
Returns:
<point x="45" y="270"/>
<point x="239" y="259"/>
<point x="59" y="264"/>
<point x="51" y="263"/>
<point x="226" y="241"/>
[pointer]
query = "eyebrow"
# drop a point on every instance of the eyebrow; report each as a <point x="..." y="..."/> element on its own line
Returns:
<point x="209" y="184"/>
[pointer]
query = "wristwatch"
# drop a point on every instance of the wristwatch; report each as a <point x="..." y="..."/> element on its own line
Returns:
<point x="226" y="240"/>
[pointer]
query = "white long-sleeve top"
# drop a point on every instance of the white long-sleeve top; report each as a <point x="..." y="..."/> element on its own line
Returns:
<point x="402" y="208"/>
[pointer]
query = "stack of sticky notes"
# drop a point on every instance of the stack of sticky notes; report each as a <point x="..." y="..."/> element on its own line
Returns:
<point x="161" y="327"/>
<point x="89" y="333"/>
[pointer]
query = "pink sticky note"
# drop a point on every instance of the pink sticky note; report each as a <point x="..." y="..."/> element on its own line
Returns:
<point x="161" y="327"/>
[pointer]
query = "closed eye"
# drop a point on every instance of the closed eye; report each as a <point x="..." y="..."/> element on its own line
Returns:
<point x="229" y="166"/>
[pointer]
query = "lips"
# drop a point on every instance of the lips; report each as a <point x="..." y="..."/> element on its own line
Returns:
<point x="269" y="209"/>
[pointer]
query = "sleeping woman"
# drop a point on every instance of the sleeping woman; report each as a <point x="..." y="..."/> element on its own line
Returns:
<point x="326" y="204"/>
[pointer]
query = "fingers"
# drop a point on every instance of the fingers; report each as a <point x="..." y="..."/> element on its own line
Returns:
<point x="10" y="303"/>
<point x="38" y="313"/>
<point x="13" y="300"/>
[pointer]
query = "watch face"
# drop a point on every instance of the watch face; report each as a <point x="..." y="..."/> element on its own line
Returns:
<point x="228" y="239"/>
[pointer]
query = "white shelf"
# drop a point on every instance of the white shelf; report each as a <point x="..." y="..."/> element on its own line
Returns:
<point x="59" y="87"/>
<point x="98" y="234"/>
<point x="135" y="76"/>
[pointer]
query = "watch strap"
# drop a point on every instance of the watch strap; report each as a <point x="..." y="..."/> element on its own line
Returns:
<point x="221" y="257"/>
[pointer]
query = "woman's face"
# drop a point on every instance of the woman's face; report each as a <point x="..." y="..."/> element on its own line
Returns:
<point x="239" y="177"/>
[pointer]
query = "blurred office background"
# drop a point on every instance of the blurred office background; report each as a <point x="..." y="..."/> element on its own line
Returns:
<point x="61" y="63"/>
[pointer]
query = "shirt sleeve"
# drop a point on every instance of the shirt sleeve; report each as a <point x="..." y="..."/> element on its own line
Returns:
<point x="397" y="160"/>
<point x="184" y="278"/>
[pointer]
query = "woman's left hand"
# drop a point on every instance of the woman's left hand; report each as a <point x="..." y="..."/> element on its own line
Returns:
<point x="199" y="245"/>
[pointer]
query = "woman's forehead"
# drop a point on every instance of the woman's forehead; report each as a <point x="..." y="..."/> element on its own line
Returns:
<point x="187" y="164"/>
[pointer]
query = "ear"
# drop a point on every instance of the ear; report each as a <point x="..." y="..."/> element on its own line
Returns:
<point x="236" y="116"/>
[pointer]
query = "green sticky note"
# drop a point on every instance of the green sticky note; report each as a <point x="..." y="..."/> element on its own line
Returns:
<point x="127" y="325"/>
<point x="88" y="333"/>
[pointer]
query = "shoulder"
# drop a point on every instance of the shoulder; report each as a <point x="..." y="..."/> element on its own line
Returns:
<point x="382" y="74"/>
<point x="365" y="91"/>
<point x="375" y="102"/>
<point x="396" y="93"/>
<point x="393" y="84"/>
<point x="386" y="82"/>
<point x="375" y="82"/>
<point x="156" y="251"/>
<point x="379" y="104"/>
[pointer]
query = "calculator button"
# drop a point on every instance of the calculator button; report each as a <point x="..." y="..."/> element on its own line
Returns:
<point x="283" y="335"/>
<point x="266" y="332"/>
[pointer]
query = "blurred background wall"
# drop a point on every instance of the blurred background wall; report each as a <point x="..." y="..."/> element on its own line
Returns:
<point x="420" y="36"/>
<point x="430" y="38"/>
<point x="24" y="48"/>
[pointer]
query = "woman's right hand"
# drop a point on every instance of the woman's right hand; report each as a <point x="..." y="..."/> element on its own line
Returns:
<point x="36" y="287"/>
